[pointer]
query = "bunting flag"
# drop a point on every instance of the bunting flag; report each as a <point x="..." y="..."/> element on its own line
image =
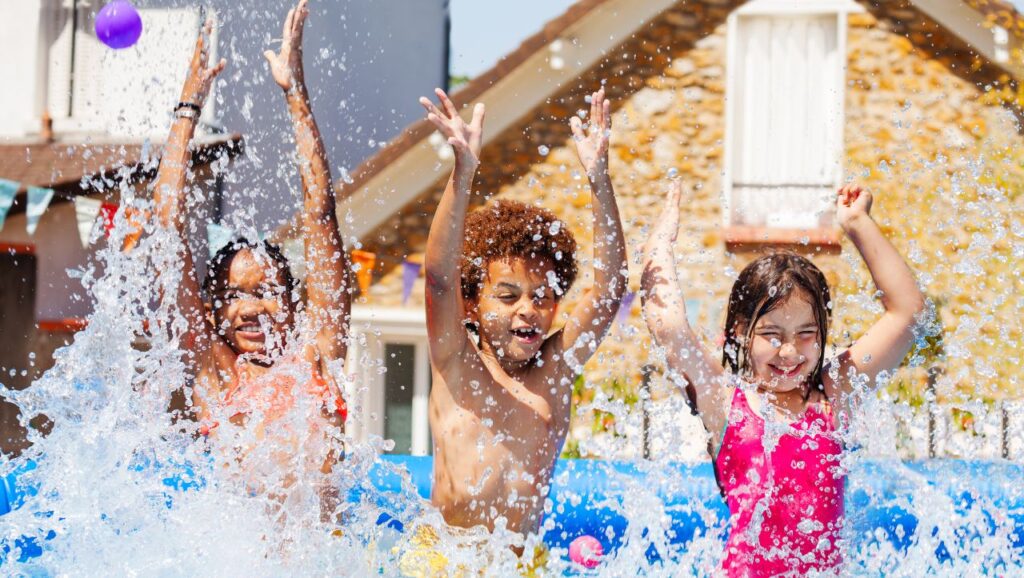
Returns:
<point x="217" y="236"/>
<point x="38" y="199"/>
<point x="625" y="307"/>
<point x="7" y="191"/>
<point x="410" y="272"/>
<point x="364" y="273"/>
<point x="136" y="222"/>
<point x="86" y="211"/>
<point x="108" y="211"/>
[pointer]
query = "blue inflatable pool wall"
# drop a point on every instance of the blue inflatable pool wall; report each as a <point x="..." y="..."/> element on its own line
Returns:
<point x="590" y="497"/>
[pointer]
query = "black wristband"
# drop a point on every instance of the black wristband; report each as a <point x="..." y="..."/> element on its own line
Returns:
<point x="189" y="105"/>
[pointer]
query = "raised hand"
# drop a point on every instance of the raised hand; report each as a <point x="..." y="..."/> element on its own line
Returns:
<point x="200" y="76"/>
<point x="286" y="65"/>
<point x="464" y="138"/>
<point x="668" y="224"/>
<point x="592" y="140"/>
<point x="852" y="204"/>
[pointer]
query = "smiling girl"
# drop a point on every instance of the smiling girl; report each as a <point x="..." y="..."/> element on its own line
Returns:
<point x="774" y="430"/>
<point x="250" y="360"/>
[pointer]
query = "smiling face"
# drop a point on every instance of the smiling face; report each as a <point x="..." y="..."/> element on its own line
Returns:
<point x="252" y="310"/>
<point x="515" y="308"/>
<point x="785" y="345"/>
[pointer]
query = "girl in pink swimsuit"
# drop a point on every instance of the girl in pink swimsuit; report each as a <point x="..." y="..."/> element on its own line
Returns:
<point x="769" y="404"/>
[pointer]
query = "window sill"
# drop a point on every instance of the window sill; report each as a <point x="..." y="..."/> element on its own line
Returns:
<point x="67" y="325"/>
<point x="745" y="238"/>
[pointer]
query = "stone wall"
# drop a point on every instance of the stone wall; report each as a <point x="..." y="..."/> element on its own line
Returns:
<point x="939" y="151"/>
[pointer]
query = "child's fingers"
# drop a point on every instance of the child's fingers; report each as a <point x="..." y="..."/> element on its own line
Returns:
<point x="270" y="55"/>
<point x="217" y="68"/>
<point x="607" y="114"/>
<point x="286" y="32"/>
<point x="675" y="192"/>
<point x="478" y="116"/>
<point x="431" y="109"/>
<point x="447" y="103"/>
<point x="595" y="109"/>
<point x="439" y="124"/>
<point x="300" y="18"/>
<point x="576" y="125"/>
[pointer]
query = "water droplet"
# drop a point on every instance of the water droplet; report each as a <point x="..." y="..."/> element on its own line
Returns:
<point x="543" y="150"/>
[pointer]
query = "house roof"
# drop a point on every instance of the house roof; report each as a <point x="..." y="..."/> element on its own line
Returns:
<point x="65" y="167"/>
<point x="907" y="15"/>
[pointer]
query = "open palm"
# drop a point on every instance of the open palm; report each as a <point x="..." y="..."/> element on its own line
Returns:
<point x="592" y="140"/>
<point x="286" y="65"/>
<point x="200" y="75"/>
<point x="465" y="138"/>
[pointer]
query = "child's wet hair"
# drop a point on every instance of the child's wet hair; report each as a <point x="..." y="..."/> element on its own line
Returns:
<point x="763" y="285"/>
<point x="508" y="229"/>
<point x="218" y="265"/>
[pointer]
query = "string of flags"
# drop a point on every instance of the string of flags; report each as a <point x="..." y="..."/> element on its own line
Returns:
<point x="7" y="191"/>
<point x="93" y="216"/>
<point x="38" y="199"/>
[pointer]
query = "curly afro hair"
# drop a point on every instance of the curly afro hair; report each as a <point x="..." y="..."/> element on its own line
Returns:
<point x="507" y="229"/>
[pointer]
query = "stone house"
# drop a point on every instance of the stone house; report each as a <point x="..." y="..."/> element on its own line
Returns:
<point x="763" y="108"/>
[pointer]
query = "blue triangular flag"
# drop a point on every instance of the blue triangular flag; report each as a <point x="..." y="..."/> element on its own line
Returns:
<point x="38" y="200"/>
<point x="7" y="191"/>
<point x="217" y="236"/>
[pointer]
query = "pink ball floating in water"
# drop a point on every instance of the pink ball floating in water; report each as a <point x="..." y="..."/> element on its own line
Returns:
<point x="586" y="551"/>
<point x="118" y="24"/>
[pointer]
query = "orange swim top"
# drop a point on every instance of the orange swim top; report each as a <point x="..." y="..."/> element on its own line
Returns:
<point x="273" y="393"/>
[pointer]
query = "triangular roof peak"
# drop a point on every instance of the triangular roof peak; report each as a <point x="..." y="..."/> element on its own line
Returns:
<point x="578" y="39"/>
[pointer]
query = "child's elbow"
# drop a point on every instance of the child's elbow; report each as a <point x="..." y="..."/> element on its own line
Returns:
<point x="912" y="307"/>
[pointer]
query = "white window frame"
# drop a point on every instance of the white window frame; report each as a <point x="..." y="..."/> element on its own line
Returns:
<point x="839" y="8"/>
<point x="371" y="328"/>
<point x="57" y="78"/>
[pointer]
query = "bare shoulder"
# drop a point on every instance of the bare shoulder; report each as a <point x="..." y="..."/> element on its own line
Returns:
<point x="555" y="357"/>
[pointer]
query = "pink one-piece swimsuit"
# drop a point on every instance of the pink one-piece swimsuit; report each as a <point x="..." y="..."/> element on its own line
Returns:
<point x="786" y="503"/>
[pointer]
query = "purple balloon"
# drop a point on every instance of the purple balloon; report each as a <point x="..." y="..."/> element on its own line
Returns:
<point x="118" y="24"/>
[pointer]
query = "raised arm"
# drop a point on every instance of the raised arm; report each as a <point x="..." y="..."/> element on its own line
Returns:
<point x="886" y="343"/>
<point x="445" y="312"/>
<point x="665" y="313"/>
<point x="327" y="277"/>
<point x="596" y="310"/>
<point x="169" y="196"/>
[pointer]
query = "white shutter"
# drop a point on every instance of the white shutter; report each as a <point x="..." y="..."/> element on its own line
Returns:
<point x="57" y="31"/>
<point x="131" y="92"/>
<point x="786" y="116"/>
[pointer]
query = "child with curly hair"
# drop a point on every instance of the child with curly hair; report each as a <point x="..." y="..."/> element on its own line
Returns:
<point x="500" y="401"/>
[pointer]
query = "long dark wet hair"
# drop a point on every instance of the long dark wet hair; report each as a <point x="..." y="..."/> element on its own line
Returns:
<point x="763" y="285"/>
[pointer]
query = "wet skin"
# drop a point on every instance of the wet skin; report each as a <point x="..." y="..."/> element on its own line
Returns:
<point x="496" y="443"/>
<point x="251" y="311"/>
<point x="784" y="350"/>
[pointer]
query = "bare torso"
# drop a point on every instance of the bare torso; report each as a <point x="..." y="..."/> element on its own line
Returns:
<point x="496" y="437"/>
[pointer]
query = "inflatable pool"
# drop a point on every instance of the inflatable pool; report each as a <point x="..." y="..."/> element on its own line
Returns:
<point x="597" y="498"/>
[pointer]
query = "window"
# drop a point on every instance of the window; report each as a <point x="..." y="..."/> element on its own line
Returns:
<point x="389" y="361"/>
<point x="91" y="88"/>
<point x="400" y="400"/>
<point x="785" y="112"/>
